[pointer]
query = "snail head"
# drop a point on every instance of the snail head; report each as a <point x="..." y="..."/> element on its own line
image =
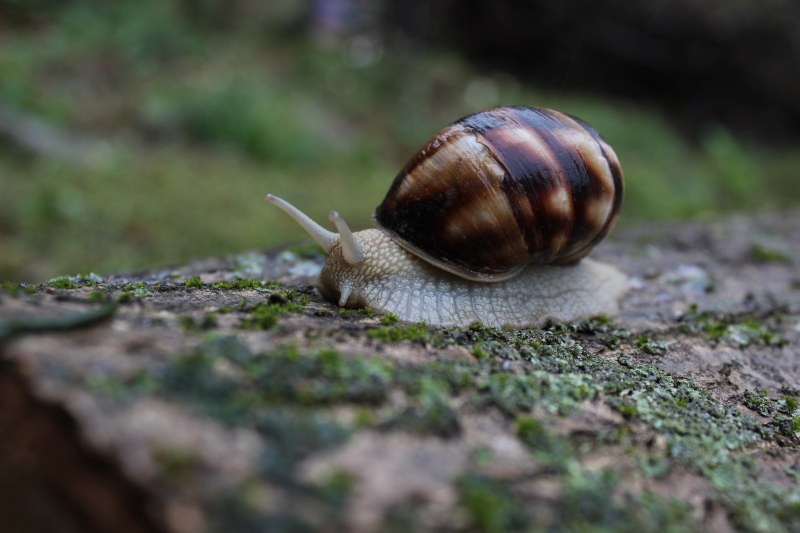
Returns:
<point x="346" y="253"/>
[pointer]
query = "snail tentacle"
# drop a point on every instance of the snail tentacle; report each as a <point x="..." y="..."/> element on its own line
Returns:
<point x="345" y="289"/>
<point x="326" y="239"/>
<point x="352" y="251"/>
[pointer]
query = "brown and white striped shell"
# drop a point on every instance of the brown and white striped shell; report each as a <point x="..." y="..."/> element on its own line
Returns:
<point x="503" y="188"/>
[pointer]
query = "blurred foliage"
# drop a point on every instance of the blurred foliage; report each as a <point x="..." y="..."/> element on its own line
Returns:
<point x="703" y="62"/>
<point x="207" y="106"/>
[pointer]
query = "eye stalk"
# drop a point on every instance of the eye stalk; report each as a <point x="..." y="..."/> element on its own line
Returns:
<point x="326" y="239"/>
<point x="352" y="251"/>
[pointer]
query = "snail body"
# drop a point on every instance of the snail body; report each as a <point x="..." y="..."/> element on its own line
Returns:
<point x="488" y="222"/>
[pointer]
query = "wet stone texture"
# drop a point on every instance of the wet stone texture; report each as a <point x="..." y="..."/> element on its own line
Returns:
<point x="227" y="395"/>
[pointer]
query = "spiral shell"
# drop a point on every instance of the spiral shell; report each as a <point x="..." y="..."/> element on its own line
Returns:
<point x="503" y="188"/>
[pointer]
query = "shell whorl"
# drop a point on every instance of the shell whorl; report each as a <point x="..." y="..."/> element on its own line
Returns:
<point x="503" y="188"/>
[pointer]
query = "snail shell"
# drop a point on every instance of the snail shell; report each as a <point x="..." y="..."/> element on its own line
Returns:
<point x="503" y="188"/>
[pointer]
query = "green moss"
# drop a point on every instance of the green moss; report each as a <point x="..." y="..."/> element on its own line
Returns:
<point x="328" y="377"/>
<point x="62" y="283"/>
<point x="337" y="487"/>
<point x="283" y="376"/>
<point x="766" y="253"/>
<point x="532" y="433"/>
<point x="107" y="386"/>
<point x="177" y="465"/>
<point x="74" y="282"/>
<point x="124" y="297"/>
<point x="751" y="332"/>
<point x="762" y="508"/>
<point x="189" y="323"/>
<point x="193" y="282"/>
<point x="266" y="316"/>
<point x="738" y="330"/>
<point x="650" y="346"/>
<point x="490" y="505"/>
<point x="285" y="394"/>
<point x="98" y="296"/>
<point x="133" y="286"/>
<point x="544" y="445"/>
<point x="411" y="332"/>
<point x="364" y="417"/>
<point x="246" y="284"/>
<point x="601" y="328"/>
<point x="123" y="389"/>
<point x="429" y="412"/>
<point x="141" y="292"/>
<point x="457" y="377"/>
<point x="294" y="435"/>
<point x="435" y="419"/>
<point x="591" y="502"/>
<point x="787" y="427"/>
<point x="208" y="321"/>
<point x="588" y="502"/>
<point x="628" y="410"/>
<point x="479" y="352"/>
<point x="782" y="426"/>
<point x="790" y="404"/>
<point x="10" y="288"/>
<point x="193" y="379"/>
<point x="288" y="295"/>
<point x="138" y="291"/>
<point x="389" y="319"/>
<point x="361" y="312"/>
<point x="770" y="338"/>
<point x="758" y="402"/>
<point x="560" y="374"/>
<point x="517" y="393"/>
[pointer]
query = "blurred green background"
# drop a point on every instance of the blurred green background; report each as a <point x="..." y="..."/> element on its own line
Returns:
<point x="143" y="133"/>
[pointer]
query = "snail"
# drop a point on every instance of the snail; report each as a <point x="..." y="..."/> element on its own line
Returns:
<point x="488" y="222"/>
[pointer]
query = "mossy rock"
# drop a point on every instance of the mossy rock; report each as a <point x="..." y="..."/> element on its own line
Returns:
<point x="210" y="398"/>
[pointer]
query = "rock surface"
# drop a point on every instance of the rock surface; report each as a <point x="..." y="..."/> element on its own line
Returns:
<point x="227" y="395"/>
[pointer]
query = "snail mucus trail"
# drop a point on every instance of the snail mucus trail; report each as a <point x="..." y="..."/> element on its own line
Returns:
<point x="490" y="221"/>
